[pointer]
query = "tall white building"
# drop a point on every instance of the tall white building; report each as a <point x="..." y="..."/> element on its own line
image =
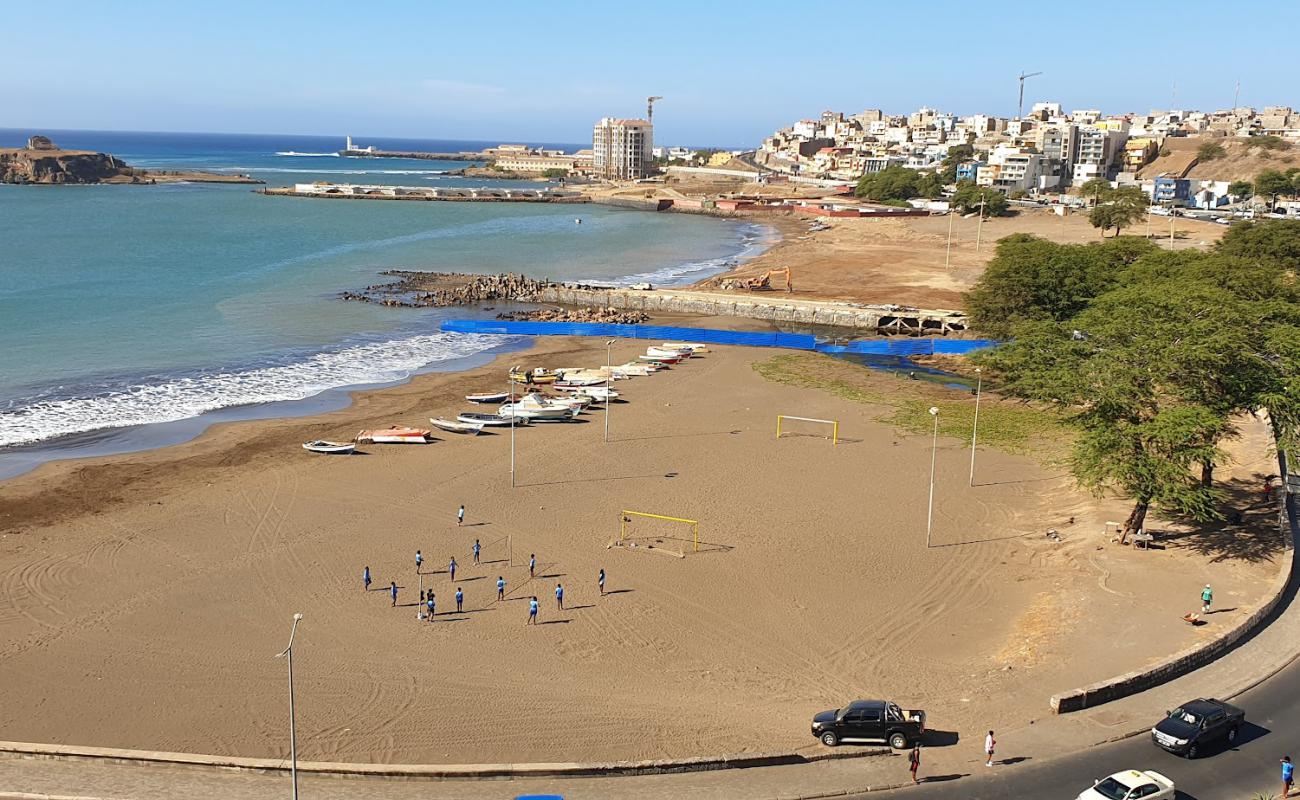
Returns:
<point x="621" y="148"/>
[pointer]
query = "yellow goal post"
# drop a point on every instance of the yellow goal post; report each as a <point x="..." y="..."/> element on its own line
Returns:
<point x="835" y="425"/>
<point x="625" y="515"/>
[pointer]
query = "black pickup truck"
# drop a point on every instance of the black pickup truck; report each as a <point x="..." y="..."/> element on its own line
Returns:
<point x="1190" y="727"/>
<point x="868" y="721"/>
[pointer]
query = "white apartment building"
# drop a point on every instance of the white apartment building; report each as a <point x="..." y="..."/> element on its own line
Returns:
<point x="621" y="148"/>
<point x="1012" y="169"/>
<point x="1096" y="151"/>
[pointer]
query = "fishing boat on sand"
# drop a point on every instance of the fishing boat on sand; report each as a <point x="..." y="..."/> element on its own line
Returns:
<point x="330" y="448"/>
<point x="670" y="352"/>
<point x="537" y="375"/>
<point x="396" y="435"/>
<point x="488" y="420"/>
<point x="694" y="348"/>
<point x="598" y="393"/>
<point x="488" y="397"/>
<point x="457" y="426"/>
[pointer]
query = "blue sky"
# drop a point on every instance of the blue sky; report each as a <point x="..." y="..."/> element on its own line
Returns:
<point x="730" y="72"/>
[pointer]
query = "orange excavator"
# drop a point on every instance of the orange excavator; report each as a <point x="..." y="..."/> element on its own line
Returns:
<point x="763" y="283"/>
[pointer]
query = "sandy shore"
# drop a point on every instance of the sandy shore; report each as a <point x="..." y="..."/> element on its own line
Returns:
<point x="145" y="595"/>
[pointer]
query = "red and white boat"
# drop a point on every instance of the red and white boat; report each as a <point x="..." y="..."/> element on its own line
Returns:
<point x="396" y="435"/>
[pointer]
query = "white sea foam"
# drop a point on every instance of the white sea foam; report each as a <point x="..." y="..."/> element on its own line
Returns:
<point x="307" y="155"/>
<point x="754" y="241"/>
<point x="183" y="397"/>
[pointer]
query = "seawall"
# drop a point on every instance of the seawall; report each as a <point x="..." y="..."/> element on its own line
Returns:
<point x="771" y="306"/>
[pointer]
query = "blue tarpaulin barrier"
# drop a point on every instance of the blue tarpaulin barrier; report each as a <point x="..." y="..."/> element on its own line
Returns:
<point x="668" y="333"/>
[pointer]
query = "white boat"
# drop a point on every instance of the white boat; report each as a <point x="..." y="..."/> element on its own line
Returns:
<point x="488" y="420"/>
<point x="596" y="392"/>
<point x="330" y="448"/>
<point x="536" y="414"/>
<point x="694" y="348"/>
<point x="580" y="380"/>
<point x="488" y="397"/>
<point x="396" y="435"/>
<point x="670" y="352"/>
<point x="661" y="360"/>
<point x="534" y="400"/>
<point x="457" y="426"/>
<point x="635" y="369"/>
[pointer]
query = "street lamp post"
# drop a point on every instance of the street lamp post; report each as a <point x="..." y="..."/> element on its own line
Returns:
<point x="979" y="229"/>
<point x="974" y="428"/>
<point x="287" y="652"/>
<point x="947" y="259"/>
<point x="608" y="400"/>
<point x="934" y="449"/>
<point x="514" y="406"/>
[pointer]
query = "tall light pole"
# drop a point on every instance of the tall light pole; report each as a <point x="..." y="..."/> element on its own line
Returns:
<point x="514" y="406"/>
<point x="934" y="449"/>
<point x="293" y="721"/>
<point x="608" y="400"/>
<point x="974" y="428"/>
<point x="979" y="230"/>
<point x="947" y="259"/>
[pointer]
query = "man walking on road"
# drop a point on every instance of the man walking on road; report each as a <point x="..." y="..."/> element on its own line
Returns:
<point x="1288" y="770"/>
<point x="501" y="588"/>
<point x="989" y="744"/>
<point x="914" y="760"/>
<point x="1207" y="597"/>
<point x="460" y="516"/>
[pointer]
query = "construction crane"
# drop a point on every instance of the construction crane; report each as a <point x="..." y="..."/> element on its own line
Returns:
<point x="650" y="108"/>
<point x="1024" y="75"/>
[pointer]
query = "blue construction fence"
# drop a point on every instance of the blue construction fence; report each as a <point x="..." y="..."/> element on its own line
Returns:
<point x="669" y="333"/>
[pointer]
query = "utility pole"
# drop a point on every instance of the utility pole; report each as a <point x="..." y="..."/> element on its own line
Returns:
<point x="979" y="228"/>
<point x="1024" y="75"/>
<point x="1236" y="95"/>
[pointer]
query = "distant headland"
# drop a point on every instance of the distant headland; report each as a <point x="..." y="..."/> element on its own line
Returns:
<point x="44" y="162"/>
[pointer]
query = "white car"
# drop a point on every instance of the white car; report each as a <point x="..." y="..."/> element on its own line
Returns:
<point x="1131" y="784"/>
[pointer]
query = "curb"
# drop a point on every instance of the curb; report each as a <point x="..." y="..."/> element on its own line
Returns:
<point x="424" y="771"/>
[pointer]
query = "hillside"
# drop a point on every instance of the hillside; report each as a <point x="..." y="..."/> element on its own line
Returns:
<point x="1243" y="161"/>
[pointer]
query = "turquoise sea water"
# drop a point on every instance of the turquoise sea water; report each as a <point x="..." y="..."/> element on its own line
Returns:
<point x="125" y="306"/>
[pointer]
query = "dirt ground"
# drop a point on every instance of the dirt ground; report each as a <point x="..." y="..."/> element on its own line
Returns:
<point x="144" y="596"/>
<point x="906" y="261"/>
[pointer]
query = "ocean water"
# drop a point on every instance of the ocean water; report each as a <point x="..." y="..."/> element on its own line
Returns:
<point x="126" y="307"/>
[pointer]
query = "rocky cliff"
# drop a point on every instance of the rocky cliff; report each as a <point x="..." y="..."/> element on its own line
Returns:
<point x="59" y="166"/>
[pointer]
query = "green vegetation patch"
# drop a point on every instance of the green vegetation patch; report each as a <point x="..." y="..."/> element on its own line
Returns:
<point x="1009" y="426"/>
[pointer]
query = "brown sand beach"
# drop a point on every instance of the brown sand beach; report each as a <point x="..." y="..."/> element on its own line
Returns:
<point x="145" y="595"/>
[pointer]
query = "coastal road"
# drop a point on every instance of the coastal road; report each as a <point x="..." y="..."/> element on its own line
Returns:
<point x="1237" y="773"/>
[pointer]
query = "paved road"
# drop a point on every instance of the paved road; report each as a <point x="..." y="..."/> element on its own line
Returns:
<point x="1272" y="731"/>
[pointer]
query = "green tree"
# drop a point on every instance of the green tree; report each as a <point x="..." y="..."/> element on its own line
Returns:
<point x="1209" y="151"/>
<point x="956" y="155"/>
<point x="1242" y="189"/>
<point x="1269" y="142"/>
<point x="1030" y="278"/>
<point x="968" y="197"/>
<point x="1276" y="240"/>
<point x="898" y="183"/>
<point x="555" y="173"/>
<point x="1096" y="188"/>
<point x="1149" y="375"/>
<point x="1271" y="183"/>
<point x="1121" y="209"/>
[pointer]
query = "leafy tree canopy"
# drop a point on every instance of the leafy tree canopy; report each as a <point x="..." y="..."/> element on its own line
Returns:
<point x="968" y="196"/>
<point x="898" y="183"/>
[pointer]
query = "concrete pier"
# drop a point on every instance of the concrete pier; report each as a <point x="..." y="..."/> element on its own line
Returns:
<point x="352" y="191"/>
<point x="773" y="306"/>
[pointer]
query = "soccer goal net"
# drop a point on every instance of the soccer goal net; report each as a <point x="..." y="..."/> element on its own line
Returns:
<point x="642" y="525"/>
<point x="787" y="425"/>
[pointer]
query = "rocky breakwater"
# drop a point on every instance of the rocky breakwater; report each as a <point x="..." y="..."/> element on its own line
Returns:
<point x="613" y="315"/>
<point x="43" y="162"/>
<point x="438" y="289"/>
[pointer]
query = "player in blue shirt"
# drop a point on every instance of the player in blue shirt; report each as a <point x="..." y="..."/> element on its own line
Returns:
<point x="1288" y="771"/>
<point x="451" y="567"/>
<point x="532" y="564"/>
<point x="477" y="549"/>
<point x="431" y="605"/>
<point x="419" y="559"/>
<point x="459" y="597"/>
<point x="392" y="589"/>
<point x="559" y="596"/>
<point x="365" y="576"/>
<point x="600" y="581"/>
<point x="532" y="611"/>
<point x="501" y="588"/>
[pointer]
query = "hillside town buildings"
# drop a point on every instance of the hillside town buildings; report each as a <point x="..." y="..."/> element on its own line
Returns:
<point x="1048" y="150"/>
